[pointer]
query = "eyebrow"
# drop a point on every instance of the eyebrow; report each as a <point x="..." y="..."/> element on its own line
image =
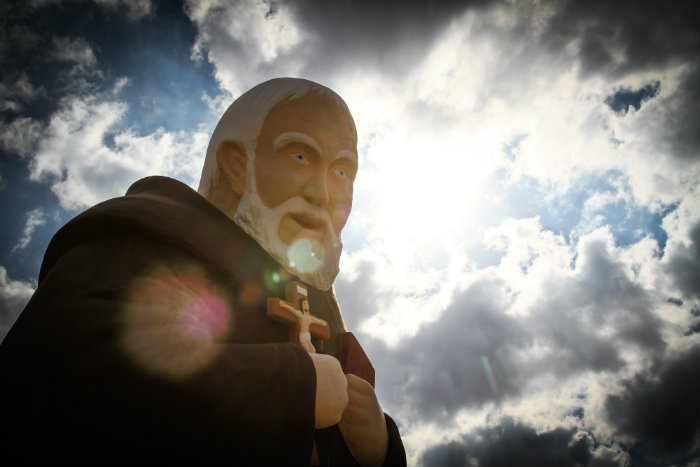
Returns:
<point x="295" y="137"/>
<point x="346" y="153"/>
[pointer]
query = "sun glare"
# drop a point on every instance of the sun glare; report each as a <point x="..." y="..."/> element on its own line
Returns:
<point x="430" y="189"/>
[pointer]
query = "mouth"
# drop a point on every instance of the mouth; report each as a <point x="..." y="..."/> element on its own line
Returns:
<point x="309" y="222"/>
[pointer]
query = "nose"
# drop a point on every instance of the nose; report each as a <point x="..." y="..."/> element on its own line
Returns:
<point x="315" y="190"/>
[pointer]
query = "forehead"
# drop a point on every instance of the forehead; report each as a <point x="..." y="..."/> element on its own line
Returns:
<point x="315" y="114"/>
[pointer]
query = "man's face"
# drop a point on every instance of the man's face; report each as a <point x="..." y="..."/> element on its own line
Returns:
<point x="306" y="149"/>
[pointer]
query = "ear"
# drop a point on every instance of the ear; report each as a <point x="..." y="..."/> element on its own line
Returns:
<point x="233" y="161"/>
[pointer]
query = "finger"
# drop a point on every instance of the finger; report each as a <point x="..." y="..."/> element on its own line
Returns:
<point x="361" y="399"/>
<point x="356" y="398"/>
<point x="356" y="415"/>
<point x="358" y="383"/>
<point x="360" y="389"/>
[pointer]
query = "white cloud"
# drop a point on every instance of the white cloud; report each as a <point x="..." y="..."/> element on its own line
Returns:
<point x="560" y="324"/>
<point x="35" y="218"/>
<point x="83" y="170"/>
<point x="248" y="33"/>
<point x="14" y="295"/>
<point x="14" y="93"/>
<point x="20" y="136"/>
<point x="74" y="50"/>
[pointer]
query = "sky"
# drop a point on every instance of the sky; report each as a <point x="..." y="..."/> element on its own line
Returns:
<point x="522" y="262"/>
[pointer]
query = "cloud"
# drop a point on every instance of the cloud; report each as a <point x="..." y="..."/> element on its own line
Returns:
<point x="511" y="443"/>
<point x="623" y="41"/>
<point x="83" y="169"/>
<point x="443" y="366"/>
<point x="20" y="136"/>
<point x="246" y="32"/>
<point x="684" y="266"/>
<point x="390" y="37"/>
<point x="320" y="41"/>
<point x="135" y="9"/>
<point x="548" y="310"/>
<point x="615" y="37"/>
<point x="14" y="295"/>
<point x="74" y="50"/>
<point x="450" y="71"/>
<point x="35" y="218"/>
<point x="16" y="91"/>
<point x="681" y="262"/>
<point x="659" y="409"/>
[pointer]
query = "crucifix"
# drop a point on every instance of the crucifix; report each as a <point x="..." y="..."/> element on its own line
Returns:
<point x="294" y="312"/>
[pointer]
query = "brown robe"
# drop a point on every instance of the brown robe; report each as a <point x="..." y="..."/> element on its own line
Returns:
<point x="147" y="342"/>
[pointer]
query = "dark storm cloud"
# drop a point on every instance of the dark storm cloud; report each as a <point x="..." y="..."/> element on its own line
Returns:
<point x="601" y="295"/>
<point x="443" y="368"/>
<point x="467" y="357"/>
<point x="516" y="444"/>
<point x="624" y="37"/>
<point x="364" y="304"/>
<point x="660" y="409"/>
<point x="681" y="129"/>
<point x="684" y="266"/>
<point x="477" y="351"/>
<point x="340" y="39"/>
<point x="573" y="311"/>
<point x="606" y="289"/>
<point x="627" y="36"/>
<point x="390" y="36"/>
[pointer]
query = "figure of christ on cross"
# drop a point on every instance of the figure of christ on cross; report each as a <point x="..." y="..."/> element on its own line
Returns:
<point x="303" y="323"/>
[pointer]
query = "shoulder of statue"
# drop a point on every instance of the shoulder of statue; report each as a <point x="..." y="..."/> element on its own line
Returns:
<point x="160" y="209"/>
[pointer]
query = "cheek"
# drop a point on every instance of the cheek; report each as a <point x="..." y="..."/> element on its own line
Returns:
<point x="276" y="184"/>
<point x="340" y="215"/>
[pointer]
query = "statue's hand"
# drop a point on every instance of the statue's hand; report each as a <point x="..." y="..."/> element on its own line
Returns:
<point x="363" y="424"/>
<point x="331" y="390"/>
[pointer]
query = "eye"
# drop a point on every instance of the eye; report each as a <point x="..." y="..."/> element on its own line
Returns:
<point x="342" y="173"/>
<point x="300" y="158"/>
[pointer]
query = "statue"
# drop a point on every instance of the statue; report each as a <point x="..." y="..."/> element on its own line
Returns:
<point x="159" y="331"/>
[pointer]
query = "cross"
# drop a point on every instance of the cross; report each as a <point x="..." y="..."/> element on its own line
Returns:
<point x="294" y="312"/>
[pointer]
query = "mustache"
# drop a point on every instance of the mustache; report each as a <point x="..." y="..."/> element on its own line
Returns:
<point x="300" y="207"/>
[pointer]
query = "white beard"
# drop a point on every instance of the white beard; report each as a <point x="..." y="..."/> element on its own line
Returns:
<point x="314" y="263"/>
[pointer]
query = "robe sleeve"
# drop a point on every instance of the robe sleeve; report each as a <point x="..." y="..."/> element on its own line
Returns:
<point x="118" y="359"/>
<point x="395" y="452"/>
<point x="334" y="451"/>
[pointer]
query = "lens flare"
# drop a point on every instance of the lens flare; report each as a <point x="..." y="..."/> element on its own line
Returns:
<point x="203" y="318"/>
<point x="250" y="293"/>
<point x="489" y="373"/>
<point x="306" y="255"/>
<point x="171" y="319"/>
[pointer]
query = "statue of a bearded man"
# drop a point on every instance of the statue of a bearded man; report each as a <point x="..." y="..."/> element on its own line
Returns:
<point x="147" y="340"/>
